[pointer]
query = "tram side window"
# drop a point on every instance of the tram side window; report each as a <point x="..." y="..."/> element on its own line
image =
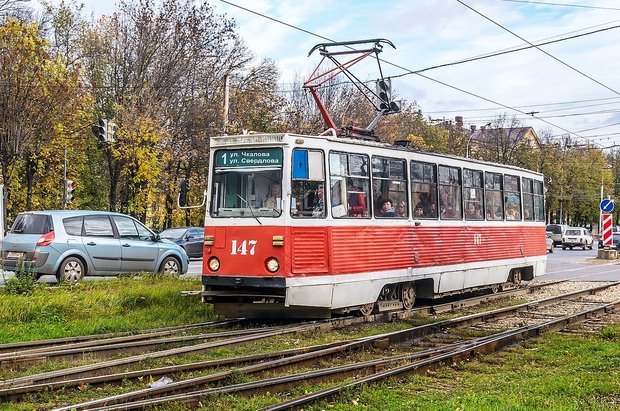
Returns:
<point x="539" y="201"/>
<point x="528" y="199"/>
<point x="512" y="197"/>
<point x="349" y="185"/>
<point x="389" y="187"/>
<point x="493" y="199"/>
<point x="450" y="193"/>
<point x="424" y="189"/>
<point x="308" y="184"/>
<point x="472" y="194"/>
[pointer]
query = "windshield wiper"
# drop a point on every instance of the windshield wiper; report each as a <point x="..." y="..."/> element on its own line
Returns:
<point x="250" y="207"/>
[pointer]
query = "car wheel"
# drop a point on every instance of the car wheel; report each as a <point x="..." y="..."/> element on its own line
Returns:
<point x="551" y="250"/>
<point x="71" y="270"/>
<point x="170" y="266"/>
<point x="563" y="247"/>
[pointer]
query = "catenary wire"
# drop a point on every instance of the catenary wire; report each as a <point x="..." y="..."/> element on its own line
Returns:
<point x="563" y="4"/>
<point x="541" y="50"/>
<point x="408" y="70"/>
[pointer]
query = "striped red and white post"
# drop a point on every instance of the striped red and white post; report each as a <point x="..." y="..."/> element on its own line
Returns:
<point x="607" y="235"/>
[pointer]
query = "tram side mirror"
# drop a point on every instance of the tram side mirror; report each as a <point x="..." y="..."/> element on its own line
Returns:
<point x="183" y="193"/>
<point x="182" y="198"/>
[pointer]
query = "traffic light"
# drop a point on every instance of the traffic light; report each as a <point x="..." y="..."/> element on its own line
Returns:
<point x="69" y="187"/>
<point x="384" y="92"/>
<point x="183" y="193"/>
<point x="104" y="130"/>
<point x="110" y="131"/>
<point x="100" y="130"/>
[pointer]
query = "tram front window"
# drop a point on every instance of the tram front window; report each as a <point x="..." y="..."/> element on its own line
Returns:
<point x="247" y="193"/>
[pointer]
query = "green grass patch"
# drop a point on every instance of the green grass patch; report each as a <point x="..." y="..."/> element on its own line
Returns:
<point x="94" y="307"/>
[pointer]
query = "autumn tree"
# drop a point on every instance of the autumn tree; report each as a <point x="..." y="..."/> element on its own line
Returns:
<point x="39" y="101"/>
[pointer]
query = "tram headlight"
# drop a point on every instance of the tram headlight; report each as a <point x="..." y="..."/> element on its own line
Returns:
<point x="272" y="264"/>
<point x="214" y="263"/>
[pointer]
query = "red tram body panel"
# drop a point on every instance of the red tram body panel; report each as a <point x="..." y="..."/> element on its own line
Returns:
<point x="281" y="238"/>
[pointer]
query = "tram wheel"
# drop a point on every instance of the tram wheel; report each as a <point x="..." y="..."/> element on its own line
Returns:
<point x="495" y="288"/>
<point x="516" y="277"/>
<point x="407" y="295"/>
<point x="366" y="309"/>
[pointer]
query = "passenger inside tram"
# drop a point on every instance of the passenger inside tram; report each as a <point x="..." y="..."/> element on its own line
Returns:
<point x="275" y="197"/>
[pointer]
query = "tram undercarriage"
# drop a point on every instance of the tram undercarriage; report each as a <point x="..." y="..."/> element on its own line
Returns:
<point x="266" y="297"/>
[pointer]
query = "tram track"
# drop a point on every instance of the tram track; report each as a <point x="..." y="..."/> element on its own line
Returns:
<point x="15" y="388"/>
<point x="271" y="362"/>
<point x="171" y="392"/>
<point x="58" y="348"/>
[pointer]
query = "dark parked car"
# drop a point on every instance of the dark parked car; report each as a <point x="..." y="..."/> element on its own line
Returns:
<point x="73" y="243"/>
<point x="615" y="231"/>
<point x="189" y="238"/>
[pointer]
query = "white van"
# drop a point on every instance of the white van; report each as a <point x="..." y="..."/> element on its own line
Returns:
<point x="556" y="231"/>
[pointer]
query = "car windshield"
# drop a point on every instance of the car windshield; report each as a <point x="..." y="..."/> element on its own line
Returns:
<point x="32" y="224"/>
<point x="173" y="233"/>
<point x="573" y="232"/>
<point x="555" y="229"/>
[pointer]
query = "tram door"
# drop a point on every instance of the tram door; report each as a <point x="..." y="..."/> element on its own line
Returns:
<point x="309" y="254"/>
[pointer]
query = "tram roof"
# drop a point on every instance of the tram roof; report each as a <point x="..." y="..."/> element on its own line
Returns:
<point x="263" y="139"/>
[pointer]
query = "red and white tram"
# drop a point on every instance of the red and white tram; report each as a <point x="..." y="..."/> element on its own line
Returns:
<point x="305" y="226"/>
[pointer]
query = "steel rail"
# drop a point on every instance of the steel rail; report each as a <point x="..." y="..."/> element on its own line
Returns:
<point x="484" y="347"/>
<point x="424" y="360"/>
<point x="17" y="392"/>
<point x="30" y="345"/>
<point x="391" y="338"/>
<point x="63" y="353"/>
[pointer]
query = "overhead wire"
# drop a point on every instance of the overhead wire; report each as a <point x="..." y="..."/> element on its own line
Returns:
<point x="537" y="47"/>
<point x="563" y="4"/>
<point x="421" y="75"/>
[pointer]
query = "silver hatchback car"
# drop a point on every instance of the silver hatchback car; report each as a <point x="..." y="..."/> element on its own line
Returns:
<point x="73" y="243"/>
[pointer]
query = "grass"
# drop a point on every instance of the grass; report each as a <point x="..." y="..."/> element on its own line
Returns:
<point x="126" y="304"/>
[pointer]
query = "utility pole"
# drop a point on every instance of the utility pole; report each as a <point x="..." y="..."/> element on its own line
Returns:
<point x="64" y="183"/>
<point x="226" y="98"/>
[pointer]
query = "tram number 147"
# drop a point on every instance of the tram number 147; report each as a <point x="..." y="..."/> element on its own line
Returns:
<point x="244" y="248"/>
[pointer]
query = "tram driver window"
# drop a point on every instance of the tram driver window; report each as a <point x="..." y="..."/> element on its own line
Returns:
<point x="308" y="184"/>
<point x="349" y="185"/>
<point x="247" y="183"/>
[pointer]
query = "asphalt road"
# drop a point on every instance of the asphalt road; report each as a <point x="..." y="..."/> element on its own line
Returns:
<point x="580" y="265"/>
<point x="576" y="264"/>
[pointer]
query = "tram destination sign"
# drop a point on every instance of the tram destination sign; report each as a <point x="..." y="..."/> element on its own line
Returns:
<point x="260" y="157"/>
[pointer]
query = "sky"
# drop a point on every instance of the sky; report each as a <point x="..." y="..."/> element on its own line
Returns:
<point x="572" y="86"/>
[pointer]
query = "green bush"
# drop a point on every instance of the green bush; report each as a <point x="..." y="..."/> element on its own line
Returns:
<point x="24" y="281"/>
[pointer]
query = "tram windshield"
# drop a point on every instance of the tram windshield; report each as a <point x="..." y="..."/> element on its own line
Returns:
<point x="242" y="187"/>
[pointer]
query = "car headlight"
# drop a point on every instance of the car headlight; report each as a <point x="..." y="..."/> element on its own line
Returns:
<point x="214" y="263"/>
<point x="272" y="264"/>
